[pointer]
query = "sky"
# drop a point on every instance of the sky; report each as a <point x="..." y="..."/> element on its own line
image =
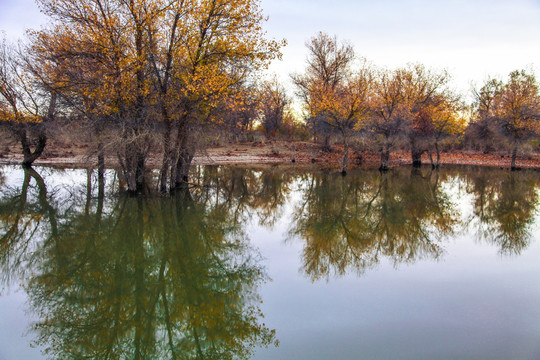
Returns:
<point x="472" y="39"/>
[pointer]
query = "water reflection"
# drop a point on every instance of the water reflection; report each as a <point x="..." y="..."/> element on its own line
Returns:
<point x="352" y="222"/>
<point x="147" y="279"/>
<point x="112" y="276"/>
<point x="505" y="204"/>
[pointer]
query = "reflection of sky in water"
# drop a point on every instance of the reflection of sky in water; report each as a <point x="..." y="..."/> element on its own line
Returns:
<point x="471" y="303"/>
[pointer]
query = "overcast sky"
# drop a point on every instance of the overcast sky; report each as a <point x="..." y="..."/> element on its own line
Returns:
<point x="470" y="38"/>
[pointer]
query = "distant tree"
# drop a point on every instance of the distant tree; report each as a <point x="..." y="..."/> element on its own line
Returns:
<point x="390" y="111"/>
<point x="328" y="66"/>
<point x="428" y="93"/>
<point x="445" y="121"/>
<point x="482" y="128"/>
<point x="510" y="110"/>
<point x="518" y="110"/>
<point x="273" y="104"/>
<point x="338" y="96"/>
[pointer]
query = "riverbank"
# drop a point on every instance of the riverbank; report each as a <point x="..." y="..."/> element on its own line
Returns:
<point x="269" y="152"/>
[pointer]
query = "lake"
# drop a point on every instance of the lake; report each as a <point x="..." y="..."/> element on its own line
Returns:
<point x="271" y="263"/>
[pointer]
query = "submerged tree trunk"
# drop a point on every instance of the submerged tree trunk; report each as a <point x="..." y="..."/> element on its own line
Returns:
<point x="134" y="167"/>
<point x="166" y="162"/>
<point x="100" y="158"/>
<point x="182" y="169"/>
<point x="416" y="153"/>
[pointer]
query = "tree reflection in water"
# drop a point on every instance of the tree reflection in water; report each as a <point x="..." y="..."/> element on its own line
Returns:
<point x="150" y="278"/>
<point x="505" y="204"/>
<point x="352" y="222"/>
<point x="112" y="276"/>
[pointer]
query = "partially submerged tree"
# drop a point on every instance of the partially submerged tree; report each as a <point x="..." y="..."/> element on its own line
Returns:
<point x="155" y="66"/>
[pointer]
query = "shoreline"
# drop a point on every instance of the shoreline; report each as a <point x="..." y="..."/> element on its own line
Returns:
<point x="275" y="153"/>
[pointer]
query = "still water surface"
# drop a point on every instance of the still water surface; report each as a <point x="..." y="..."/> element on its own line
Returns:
<point x="271" y="264"/>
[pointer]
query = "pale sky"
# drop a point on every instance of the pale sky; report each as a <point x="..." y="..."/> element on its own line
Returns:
<point x="471" y="38"/>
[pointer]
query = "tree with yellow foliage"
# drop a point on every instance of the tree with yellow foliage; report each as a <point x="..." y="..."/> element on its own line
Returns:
<point x="337" y="97"/>
<point x="446" y="120"/>
<point x="512" y="109"/>
<point x="153" y="67"/>
<point x="518" y="110"/>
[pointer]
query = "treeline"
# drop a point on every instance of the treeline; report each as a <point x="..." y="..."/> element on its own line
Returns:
<point x="139" y="75"/>
<point x="169" y="76"/>
<point x="412" y="106"/>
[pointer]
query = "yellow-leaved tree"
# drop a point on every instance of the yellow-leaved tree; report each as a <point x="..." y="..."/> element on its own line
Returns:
<point x="336" y="94"/>
<point x="153" y="71"/>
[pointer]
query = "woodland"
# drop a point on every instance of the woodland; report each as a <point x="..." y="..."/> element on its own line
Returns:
<point x="173" y="77"/>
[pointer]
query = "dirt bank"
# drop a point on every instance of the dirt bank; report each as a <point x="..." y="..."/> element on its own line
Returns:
<point x="269" y="152"/>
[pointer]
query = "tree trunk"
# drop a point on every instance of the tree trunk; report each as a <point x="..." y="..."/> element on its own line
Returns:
<point x="431" y="159"/>
<point x="345" y="163"/>
<point x="326" y="144"/>
<point x="140" y="171"/>
<point x="134" y="161"/>
<point x="29" y="155"/>
<point x="101" y="159"/>
<point x="416" y="154"/>
<point x="514" y="156"/>
<point x="385" y="156"/>
<point x="166" y="162"/>
<point x="182" y="169"/>
<point x="88" y="191"/>
<point x="438" y="163"/>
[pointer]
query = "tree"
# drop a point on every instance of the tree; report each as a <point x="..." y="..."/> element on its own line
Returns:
<point x="482" y="129"/>
<point x="154" y="66"/>
<point x="274" y="102"/>
<point x="26" y="105"/>
<point x="328" y="65"/>
<point x="427" y="91"/>
<point x="337" y="96"/>
<point x="510" y="110"/>
<point x="445" y="121"/>
<point x="390" y="112"/>
<point x="518" y="109"/>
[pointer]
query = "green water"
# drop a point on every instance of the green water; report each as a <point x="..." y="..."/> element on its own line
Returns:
<point x="274" y="263"/>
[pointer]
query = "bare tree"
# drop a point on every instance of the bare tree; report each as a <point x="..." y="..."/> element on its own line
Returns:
<point x="328" y="67"/>
<point x="273" y="103"/>
<point x="26" y="105"/>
